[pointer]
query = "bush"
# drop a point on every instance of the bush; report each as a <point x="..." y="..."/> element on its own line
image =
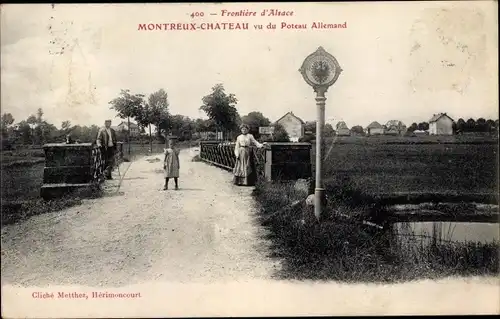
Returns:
<point x="280" y="134"/>
<point x="307" y="138"/>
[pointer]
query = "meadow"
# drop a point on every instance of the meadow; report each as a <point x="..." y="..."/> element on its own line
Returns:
<point x="426" y="168"/>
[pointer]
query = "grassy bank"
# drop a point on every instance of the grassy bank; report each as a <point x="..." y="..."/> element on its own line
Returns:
<point x="345" y="250"/>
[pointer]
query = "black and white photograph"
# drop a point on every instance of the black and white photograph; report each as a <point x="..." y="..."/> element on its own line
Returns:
<point x="249" y="159"/>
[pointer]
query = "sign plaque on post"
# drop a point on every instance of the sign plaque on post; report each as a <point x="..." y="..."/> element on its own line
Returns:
<point x="320" y="70"/>
<point x="268" y="130"/>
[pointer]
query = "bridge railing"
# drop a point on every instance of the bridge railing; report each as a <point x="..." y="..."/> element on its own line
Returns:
<point x="72" y="166"/>
<point x="275" y="161"/>
<point x="221" y="154"/>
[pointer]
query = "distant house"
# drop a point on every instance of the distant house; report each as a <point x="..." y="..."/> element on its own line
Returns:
<point x="441" y="124"/>
<point x="375" y="128"/>
<point x="134" y="128"/>
<point x="395" y="127"/>
<point x="293" y="125"/>
<point x="342" y="129"/>
<point x="205" y="135"/>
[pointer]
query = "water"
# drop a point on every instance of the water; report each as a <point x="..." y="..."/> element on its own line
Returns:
<point x="450" y="231"/>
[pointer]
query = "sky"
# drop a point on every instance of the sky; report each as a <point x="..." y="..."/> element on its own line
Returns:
<point x="403" y="61"/>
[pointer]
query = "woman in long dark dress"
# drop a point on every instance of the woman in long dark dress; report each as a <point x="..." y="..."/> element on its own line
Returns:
<point x="244" y="169"/>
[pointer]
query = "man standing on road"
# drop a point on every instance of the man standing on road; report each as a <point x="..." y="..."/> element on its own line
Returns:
<point x="106" y="140"/>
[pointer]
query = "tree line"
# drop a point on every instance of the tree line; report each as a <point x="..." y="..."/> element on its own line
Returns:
<point x="151" y="113"/>
<point x="460" y="126"/>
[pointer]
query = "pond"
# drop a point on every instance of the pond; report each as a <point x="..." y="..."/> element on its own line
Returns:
<point x="458" y="232"/>
<point x="457" y="247"/>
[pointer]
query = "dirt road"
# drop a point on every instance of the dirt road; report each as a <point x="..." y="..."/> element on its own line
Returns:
<point x="203" y="232"/>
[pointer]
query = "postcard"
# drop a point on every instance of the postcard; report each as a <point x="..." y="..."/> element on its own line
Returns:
<point x="249" y="159"/>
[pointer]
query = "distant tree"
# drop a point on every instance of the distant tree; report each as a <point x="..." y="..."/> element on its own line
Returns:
<point x="87" y="134"/>
<point x="413" y="127"/>
<point x="48" y="132"/>
<point x="154" y="112"/>
<point x="461" y="125"/>
<point x="32" y="122"/>
<point x="310" y="126"/>
<point x="25" y="132"/>
<point x="255" y="120"/>
<point x="220" y="107"/>
<point x="357" y="129"/>
<point x="7" y="120"/>
<point x="490" y="126"/>
<point x="31" y="119"/>
<point x="159" y="109"/>
<point x="180" y="125"/>
<point x="35" y="123"/>
<point x="39" y="116"/>
<point x="280" y="134"/>
<point x="65" y="126"/>
<point x="423" y="126"/>
<point x="481" y="125"/>
<point x="202" y="125"/>
<point x="127" y="105"/>
<point x="328" y="130"/>
<point x="470" y="125"/>
<point x="187" y="129"/>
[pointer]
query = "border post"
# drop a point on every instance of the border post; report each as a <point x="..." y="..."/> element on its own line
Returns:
<point x="320" y="70"/>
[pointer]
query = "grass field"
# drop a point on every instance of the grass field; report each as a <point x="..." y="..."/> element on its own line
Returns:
<point x="466" y="138"/>
<point x="432" y="168"/>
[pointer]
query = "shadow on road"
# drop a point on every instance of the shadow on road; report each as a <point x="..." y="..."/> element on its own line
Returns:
<point x="113" y="194"/>
<point x="132" y="178"/>
<point x="183" y="189"/>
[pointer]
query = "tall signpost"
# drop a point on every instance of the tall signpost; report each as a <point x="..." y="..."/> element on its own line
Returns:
<point x="320" y="70"/>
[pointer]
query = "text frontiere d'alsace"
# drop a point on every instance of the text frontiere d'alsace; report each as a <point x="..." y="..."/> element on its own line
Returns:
<point x="209" y="26"/>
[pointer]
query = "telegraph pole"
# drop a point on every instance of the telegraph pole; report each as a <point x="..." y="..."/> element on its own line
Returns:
<point x="320" y="70"/>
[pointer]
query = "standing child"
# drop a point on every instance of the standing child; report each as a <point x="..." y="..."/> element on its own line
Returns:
<point x="171" y="163"/>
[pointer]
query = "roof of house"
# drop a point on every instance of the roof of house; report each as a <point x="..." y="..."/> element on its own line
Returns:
<point x="395" y="123"/>
<point x="375" y="124"/>
<point x="132" y="124"/>
<point x="341" y="126"/>
<point x="436" y="117"/>
<point x="291" y="113"/>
